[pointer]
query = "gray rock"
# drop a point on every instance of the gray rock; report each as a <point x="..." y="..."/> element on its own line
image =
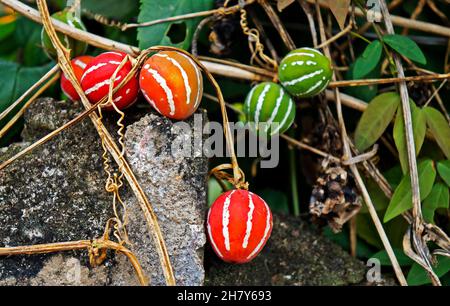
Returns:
<point x="176" y="187"/>
<point x="56" y="193"/>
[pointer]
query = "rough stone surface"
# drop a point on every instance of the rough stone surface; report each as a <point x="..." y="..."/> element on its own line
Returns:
<point x="56" y="194"/>
<point x="176" y="187"/>
<point x="294" y="255"/>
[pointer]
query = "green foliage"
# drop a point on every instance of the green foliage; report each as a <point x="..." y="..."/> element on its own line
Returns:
<point x="418" y="276"/>
<point x="439" y="128"/>
<point x="365" y="93"/>
<point x="406" y="47"/>
<point x="161" y="34"/>
<point x="383" y="257"/>
<point x="376" y="119"/>
<point x="215" y="190"/>
<point x="368" y="60"/>
<point x="402" y="198"/>
<point x="443" y="168"/>
<point x="277" y="200"/>
<point x="419" y="129"/>
<point x="438" y="198"/>
<point x="117" y="9"/>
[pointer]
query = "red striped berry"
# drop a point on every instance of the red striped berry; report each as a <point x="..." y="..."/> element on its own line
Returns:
<point x="239" y="224"/>
<point x="78" y="64"/>
<point x="172" y="83"/>
<point x="96" y="78"/>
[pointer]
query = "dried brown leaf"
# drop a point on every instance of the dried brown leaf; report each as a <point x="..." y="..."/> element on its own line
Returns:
<point x="339" y="8"/>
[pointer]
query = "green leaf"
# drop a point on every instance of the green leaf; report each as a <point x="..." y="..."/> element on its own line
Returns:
<point x="6" y="29"/>
<point x="418" y="276"/>
<point x="401" y="200"/>
<point x="438" y="198"/>
<point x="379" y="199"/>
<point x="277" y="200"/>
<point x="443" y="168"/>
<point x="383" y="257"/>
<point x="365" y="93"/>
<point x="215" y="190"/>
<point x="28" y="37"/>
<point x="368" y="60"/>
<point x="419" y="124"/>
<point x="394" y="176"/>
<point x="439" y="128"/>
<point x="406" y="47"/>
<point x="8" y="81"/>
<point x="117" y="9"/>
<point x="376" y="119"/>
<point x="178" y="34"/>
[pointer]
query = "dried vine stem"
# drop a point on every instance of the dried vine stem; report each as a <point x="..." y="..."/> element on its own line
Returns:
<point x="238" y="71"/>
<point x="239" y="179"/>
<point x="419" y="244"/>
<point x="419" y="78"/>
<point x="273" y="16"/>
<point x="219" y="11"/>
<point x="403" y="22"/>
<point x="360" y="183"/>
<point x="64" y="62"/>
<point x="91" y="246"/>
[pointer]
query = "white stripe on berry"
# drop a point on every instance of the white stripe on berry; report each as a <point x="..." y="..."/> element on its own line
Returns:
<point x="199" y="80"/>
<point x="100" y="65"/>
<point x="100" y="85"/>
<point x="303" y="78"/>
<point x="313" y="50"/>
<point x="93" y="68"/>
<point x="260" y="103"/>
<point x="226" y="220"/>
<point x="286" y="116"/>
<point x="151" y="101"/>
<point x="275" y="110"/>
<point x="248" y="230"/>
<point x="299" y="54"/>
<point x="312" y="88"/>
<point x="118" y="99"/>
<point x="183" y="75"/>
<point x="211" y="239"/>
<point x="248" y="101"/>
<point x="115" y="53"/>
<point x="162" y="82"/>
<point x="80" y="64"/>
<point x="266" y="233"/>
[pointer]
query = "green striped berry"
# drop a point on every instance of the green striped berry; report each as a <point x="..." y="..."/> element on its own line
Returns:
<point x="78" y="47"/>
<point x="305" y="72"/>
<point x="269" y="103"/>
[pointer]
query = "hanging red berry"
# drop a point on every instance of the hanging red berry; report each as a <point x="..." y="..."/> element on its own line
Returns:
<point x="96" y="79"/>
<point x="78" y="64"/>
<point x="239" y="224"/>
<point x="172" y="83"/>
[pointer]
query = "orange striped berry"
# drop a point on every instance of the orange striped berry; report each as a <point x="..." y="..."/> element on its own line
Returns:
<point x="172" y="83"/>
